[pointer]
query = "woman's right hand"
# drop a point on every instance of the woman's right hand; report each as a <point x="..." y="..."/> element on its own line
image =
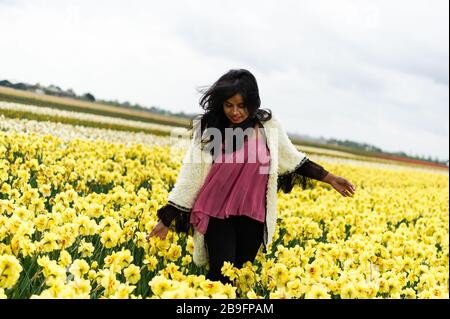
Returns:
<point x="159" y="230"/>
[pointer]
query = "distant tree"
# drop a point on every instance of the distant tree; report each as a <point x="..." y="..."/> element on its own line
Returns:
<point x="6" y="83"/>
<point x="88" y="97"/>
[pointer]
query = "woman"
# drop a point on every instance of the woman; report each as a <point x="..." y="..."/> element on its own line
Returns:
<point x="228" y="199"/>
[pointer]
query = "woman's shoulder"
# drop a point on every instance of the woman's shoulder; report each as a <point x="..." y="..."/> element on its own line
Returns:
<point x="264" y="115"/>
<point x="273" y="121"/>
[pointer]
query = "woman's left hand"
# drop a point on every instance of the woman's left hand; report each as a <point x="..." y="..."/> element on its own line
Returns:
<point x="340" y="184"/>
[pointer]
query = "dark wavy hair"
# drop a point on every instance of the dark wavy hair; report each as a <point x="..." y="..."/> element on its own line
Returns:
<point x="231" y="83"/>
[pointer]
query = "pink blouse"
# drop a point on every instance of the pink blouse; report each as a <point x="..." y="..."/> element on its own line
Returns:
<point x="235" y="185"/>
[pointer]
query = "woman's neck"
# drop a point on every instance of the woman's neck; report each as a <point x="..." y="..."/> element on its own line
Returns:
<point x="231" y="124"/>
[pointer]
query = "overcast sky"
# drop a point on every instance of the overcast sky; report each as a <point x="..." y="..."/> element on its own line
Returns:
<point x="370" y="71"/>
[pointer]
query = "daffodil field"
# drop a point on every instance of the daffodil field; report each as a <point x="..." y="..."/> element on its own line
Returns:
<point x="74" y="214"/>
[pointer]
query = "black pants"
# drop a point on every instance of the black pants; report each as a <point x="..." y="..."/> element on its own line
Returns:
<point x="236" y="239"/>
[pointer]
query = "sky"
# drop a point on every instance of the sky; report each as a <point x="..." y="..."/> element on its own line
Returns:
<point x="374" y="72"/>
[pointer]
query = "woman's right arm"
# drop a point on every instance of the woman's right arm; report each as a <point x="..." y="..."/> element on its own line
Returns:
<point x="182" y="196"/>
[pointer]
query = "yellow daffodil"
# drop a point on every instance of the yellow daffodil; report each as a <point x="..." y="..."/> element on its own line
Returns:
<point x="132" y="274"/>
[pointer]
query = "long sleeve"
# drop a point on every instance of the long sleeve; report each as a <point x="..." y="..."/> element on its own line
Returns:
<point x="169" y="212"/>
<point x="301" y="175"/>
<point x="312" y="170"/>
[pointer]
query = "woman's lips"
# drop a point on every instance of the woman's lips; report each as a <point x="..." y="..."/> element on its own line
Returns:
<point x="235" y="118"/>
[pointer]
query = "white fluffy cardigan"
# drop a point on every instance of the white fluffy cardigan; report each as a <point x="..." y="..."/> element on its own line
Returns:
<point x="284" y="158"/>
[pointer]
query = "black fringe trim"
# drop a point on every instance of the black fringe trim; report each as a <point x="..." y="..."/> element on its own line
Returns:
<point x="182" y="208"/>
<point x="175" y="218"/>
<point x="287" y="181"/>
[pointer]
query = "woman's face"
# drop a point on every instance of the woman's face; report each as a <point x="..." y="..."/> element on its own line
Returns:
<point x="235" y="110"/>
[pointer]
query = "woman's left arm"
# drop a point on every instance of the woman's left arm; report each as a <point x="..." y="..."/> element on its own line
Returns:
<point x="295" y="167"/>
<point x="309" y="170"/>
<point x="313" y="170"/>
